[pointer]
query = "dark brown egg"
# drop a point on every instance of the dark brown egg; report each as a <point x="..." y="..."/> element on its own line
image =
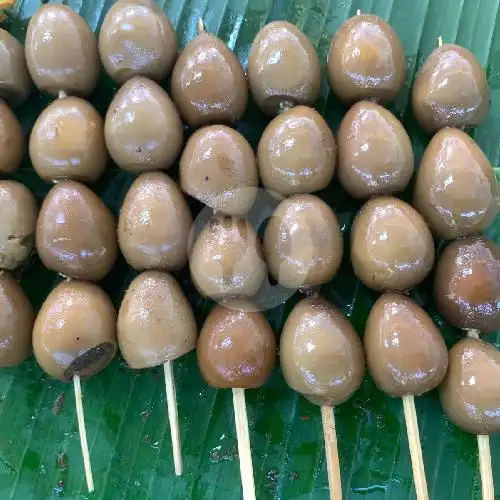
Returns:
<point x="218" y="168"/>
<point x="67" y="141"/>
<point x="16" y="322"/>
<point x="15" y="81"/>
<point x="226" y="260"/>
<point x="11" y="141"/>
<point x="154" y="224"/>
<point x="297" y="152"/>
<point x="143" y="130"/>
<point x="61" y="51"/>
<point x="405" y="351"/>
<point x="366" y="60"/>
<point x="75" y="331"/>
<point x="451" y="90"/>
<point x="18" y="211"/>
<point x="303" y="243"/>
<point x="455" y="189"/>
<point x="208" y="83"/>
<point x="391" y="245"/>
<point x="283" y="68"/>
<point x="155" y="322"/>
<point x="236" y="347"/>
<point x="467" y="284"/>
<point x="76" y="232"/>
<point x="136" y="38"/>
<point x="320" y="353"/>
<point x="375" y="153"/>
<point x="470" y="393"/>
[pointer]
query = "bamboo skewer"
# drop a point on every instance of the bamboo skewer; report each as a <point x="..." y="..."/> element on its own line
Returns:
<point x="417" y="461"/>
<point x="83" y="433"/>
<point x="244" y="451"/>
<point x="173" y="417"/>
<point x="331" y="451"/>
<point x="487" y="488"/>
<point x="483" y="446"/>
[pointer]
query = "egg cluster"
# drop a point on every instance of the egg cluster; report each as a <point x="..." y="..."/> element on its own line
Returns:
<point x="77" y="331"/>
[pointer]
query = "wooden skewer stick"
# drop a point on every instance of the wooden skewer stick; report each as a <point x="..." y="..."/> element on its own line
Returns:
<point x="483" y="446"/>
<point x="440" y="41"/>
<point x="331" y="451"/>
<point x="173" y="417"/>
<point x="244" y="451"/>
<point x="201" y="26"/>
<point x="417" y="462"/>
<point x="83" y="433"/>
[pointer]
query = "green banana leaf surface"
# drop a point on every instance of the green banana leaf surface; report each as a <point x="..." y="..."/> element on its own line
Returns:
<point x="125" y="410"/>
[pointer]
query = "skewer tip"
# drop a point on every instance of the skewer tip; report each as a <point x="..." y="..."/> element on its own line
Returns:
<point x="244" y="451"/>
<point x="173" y="417"/>
<point x="83" y="433"/>
<point x="331" y="452"/>
<point x="417" y="461"/>
<point x="487" y="487"/>
<point x="472" y="333"/>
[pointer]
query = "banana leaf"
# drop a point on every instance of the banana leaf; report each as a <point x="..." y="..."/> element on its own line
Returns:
<point x="125" y="410"/>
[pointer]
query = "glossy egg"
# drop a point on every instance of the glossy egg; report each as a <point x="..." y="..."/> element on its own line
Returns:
<point x="61" y="51"/>
<point x="218" y="168"/>
<point x="75" y="331"/>
<point x="136" y="38"/>
<point x="11" y="141"/>
<point x="154" y="224"/>
<point x="16" y="322"/>
<point x="226" y="260"/>
<point x="375" y="152"/>
<point x="283" y="68"/>
<point x="455" y="188"/>
<point x="155" y="321"/>
<point x="236" y="347"/>
<point x="67" y="141"/>
<point x="17" y="224"/>
<point x="467" y="284"/>
<point x="15" y="81"/>
<point x="470" y="393"/>
<point x="76" y="232"/>
<point x="405" y="351"/>
<point x="143" y="129"/>
<point x="391" y="245"/>
<point x="320" y="353"/>
<point x="366" y="60"/>
<point x="208" y="83"/>
<point x="297" y="152"/>
<point x="451" y="90"/>
<point x="302" y="242"/>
